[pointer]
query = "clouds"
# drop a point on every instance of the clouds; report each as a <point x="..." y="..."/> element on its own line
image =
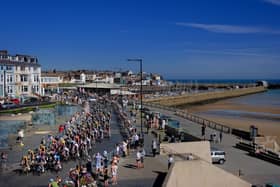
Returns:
<point x="274" y="2"/>
<point x="229" y="29"/>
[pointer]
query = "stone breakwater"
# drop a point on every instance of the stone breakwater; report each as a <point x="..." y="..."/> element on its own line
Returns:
<point x="200" y="98"/>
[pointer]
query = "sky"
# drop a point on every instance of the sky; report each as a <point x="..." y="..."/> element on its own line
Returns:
<point x="180" y="39"/>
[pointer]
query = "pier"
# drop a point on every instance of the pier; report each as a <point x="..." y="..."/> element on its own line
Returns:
<point x="186" y="87"/>
<point x="197" y="98"/>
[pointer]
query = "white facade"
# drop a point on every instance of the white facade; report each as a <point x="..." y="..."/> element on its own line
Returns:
<point x="83" y="78"/>
<point x="19" y="75"/>
<point x="50" y="83"/>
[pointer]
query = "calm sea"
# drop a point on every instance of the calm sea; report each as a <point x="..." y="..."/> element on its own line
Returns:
<point x="222" y="81"/>
<point x="268" y="99"/>
<point x="271" y="98"/>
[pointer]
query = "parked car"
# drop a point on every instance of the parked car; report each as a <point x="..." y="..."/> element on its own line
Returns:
<point x="31" y="100"/>
<point x="7" y="105"/>
<point x="15" y="100"/>
<point x="218" y="156"/>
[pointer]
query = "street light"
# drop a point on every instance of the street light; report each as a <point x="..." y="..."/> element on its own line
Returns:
<point x="141" y="88"/>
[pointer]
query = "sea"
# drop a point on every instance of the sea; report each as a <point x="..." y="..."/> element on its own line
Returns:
<point x="270" y="98"/>
<point x="223" y="81"/>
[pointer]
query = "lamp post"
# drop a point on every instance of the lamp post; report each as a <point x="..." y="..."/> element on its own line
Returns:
<point x="141" y="89"/>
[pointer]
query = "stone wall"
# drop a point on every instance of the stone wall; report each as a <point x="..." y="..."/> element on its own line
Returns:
<point x="204" y="97"/>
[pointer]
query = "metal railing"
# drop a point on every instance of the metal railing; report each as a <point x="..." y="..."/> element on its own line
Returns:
<point x="193" y="118"/>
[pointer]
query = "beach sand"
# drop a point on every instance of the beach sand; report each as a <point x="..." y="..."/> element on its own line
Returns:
<point x="228" y="105"/>
<point x="265" y="126"/>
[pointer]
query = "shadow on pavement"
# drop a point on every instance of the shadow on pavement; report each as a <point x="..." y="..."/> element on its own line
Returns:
<point x="160" y="178"/>
<point x="132" y="166"/>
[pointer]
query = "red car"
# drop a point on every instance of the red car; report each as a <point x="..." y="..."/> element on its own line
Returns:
<point x="15" y="100"/>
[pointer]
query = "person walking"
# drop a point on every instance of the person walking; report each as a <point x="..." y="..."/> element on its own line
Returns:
<point x="154" y="147"/>
<point x="89" y="166"/>
<point x="203" y="127"/>
<point x="221" y="136"/>
<point x="138" y="159"/>
<point x="170" y="160"/>
<point x="106" y="177"/>
<point x="143" y="154"/>
<point x="4" y="158"/>
<point x="114" y="170"/>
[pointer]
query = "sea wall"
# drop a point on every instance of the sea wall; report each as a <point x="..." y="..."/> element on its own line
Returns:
<point x="196" y="98"/>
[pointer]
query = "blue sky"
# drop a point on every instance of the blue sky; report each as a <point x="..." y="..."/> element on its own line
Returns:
<point x="196" y="39"/>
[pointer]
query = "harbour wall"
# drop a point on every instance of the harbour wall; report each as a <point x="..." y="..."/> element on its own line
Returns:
<point x="200" y="98"/>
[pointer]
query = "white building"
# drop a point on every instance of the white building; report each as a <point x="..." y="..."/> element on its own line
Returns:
<point x="50" y="83"/>
<point x="19" y="75"/>
<point x="83" y="78"/>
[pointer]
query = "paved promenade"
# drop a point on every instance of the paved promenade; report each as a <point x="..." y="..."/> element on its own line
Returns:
<point x="152" y="174"/>
<point x="154" y="171"/>
<point x="253" y="170"/>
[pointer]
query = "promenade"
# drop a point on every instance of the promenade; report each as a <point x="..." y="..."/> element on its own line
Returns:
<point x="155" y="168"/>
<point x="252" y="169"/>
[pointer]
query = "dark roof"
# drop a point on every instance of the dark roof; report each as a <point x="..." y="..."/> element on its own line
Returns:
<point x="3" y="52"/>
<point x="17" y="63"/>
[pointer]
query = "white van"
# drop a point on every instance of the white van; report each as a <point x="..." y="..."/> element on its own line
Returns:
<point x="218" y="156"/>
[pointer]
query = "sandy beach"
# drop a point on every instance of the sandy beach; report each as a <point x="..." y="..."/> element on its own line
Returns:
<point x="266" y="126"/>
<point x="228" y="105"/>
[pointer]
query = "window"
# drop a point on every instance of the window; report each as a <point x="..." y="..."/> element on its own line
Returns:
<point x="24" y="88"/>
<point x="23" y="78"/>
<point x="9" y="67"/>
<point x="1" y="78"/>
<point x="36" y="78"/>
<point x="10" y="89"/>
<point x="9" y="78"/>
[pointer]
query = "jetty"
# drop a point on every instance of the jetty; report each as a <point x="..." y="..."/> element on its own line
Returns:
<point x="204" y="97"/>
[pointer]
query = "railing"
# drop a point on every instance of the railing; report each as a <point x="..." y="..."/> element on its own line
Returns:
<point x="193" y="118"/>
<point x="261" y="153"/>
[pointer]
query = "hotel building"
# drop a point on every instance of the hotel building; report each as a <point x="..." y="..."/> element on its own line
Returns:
<point x="19" y="75"/>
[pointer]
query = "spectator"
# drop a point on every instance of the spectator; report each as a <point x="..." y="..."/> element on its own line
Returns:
<point x="143" y="154"/>
<point x="203" y="127"/>
<point x="154" y="147"/>
<point x="221" y="136"/>
<point x="170" y="160"/>
<point x="138" y="159"/>
<point x="114" y="170"/>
